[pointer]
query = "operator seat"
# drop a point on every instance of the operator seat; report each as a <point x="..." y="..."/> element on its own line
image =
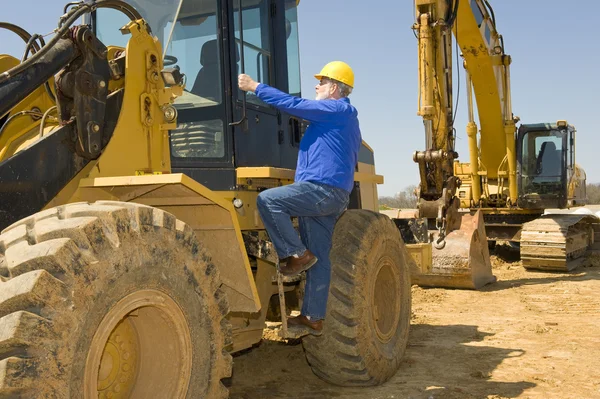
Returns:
<point x="208" y="81"/>
<point x="549" y="160"/>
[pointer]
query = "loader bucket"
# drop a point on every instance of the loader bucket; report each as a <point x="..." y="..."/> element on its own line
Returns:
<point x="464" y="262"/>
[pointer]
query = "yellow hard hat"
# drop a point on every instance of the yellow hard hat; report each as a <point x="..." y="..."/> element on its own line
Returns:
<point x="339" y="71"/>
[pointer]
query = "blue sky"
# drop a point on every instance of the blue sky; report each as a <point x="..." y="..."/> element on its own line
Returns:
<point x="555" y="52"/>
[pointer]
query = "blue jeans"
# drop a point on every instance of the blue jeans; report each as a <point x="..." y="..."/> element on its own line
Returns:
<point x="317" y="207"/>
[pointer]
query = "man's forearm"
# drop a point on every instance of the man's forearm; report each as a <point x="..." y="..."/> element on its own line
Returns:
<point x="311" y="110"/>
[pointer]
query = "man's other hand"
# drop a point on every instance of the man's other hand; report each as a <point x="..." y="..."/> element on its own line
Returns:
<point x="246" y="83"/>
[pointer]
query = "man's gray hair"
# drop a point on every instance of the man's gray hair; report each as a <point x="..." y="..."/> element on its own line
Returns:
<point x="345" y="90"/>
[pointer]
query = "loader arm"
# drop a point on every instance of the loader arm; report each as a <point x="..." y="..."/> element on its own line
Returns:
<point x="87" y="116"/>
<point x="32" y="177"/>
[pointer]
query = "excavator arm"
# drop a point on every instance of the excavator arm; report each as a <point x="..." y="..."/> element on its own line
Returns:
<point x="472" y="24"/>
<point x="438" y="184"/>
<point x="461" y="257"/>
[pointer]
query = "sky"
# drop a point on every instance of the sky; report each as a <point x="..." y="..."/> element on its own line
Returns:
<point x="555" y="53"/>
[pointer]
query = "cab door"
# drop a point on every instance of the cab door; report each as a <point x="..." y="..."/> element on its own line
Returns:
<point x="291" y="127"/>
<point x="262" y="135"/>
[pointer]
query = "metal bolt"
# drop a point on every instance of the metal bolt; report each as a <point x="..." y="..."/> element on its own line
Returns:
<point x="238" y="203"/>
<point x="102" y="84"/>
<point x="34" y="116"/>
<point x="96" y="128"/>
<point x="170" y="113"/>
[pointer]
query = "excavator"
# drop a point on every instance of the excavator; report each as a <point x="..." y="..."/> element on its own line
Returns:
<point x="133" y="260"/>
<point x="513" y="175"/>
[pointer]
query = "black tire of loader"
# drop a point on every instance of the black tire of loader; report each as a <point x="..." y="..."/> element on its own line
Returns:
<point x="351" y="351"/>
<point x="64" y="268"/>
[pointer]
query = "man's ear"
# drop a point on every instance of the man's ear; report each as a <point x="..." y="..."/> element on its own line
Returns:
<point x="334" y="87"/>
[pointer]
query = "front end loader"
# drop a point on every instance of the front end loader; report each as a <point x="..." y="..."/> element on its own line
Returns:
<point x="133" y="260"/>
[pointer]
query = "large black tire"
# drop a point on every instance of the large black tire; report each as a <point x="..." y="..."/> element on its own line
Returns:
<point x="368" y="311"/>
<point x="110" y="300"/>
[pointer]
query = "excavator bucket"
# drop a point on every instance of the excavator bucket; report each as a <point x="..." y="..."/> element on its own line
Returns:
<point x="464" y="262"/>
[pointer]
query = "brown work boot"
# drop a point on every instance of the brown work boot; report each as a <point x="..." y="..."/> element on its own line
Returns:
<point x="302" y="323"/>
<point x="296" y="265"/>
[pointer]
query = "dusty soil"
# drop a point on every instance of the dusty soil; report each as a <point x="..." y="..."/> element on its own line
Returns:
<point x="530" y="335"/>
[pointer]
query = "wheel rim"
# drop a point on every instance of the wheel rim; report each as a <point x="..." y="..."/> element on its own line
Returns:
<point x="386" y="299"/>
<point x="146" y="325"/>
<point x="119" y="362"/>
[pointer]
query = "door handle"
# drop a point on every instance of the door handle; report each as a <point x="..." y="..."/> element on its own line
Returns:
<point x="244" y="120"/>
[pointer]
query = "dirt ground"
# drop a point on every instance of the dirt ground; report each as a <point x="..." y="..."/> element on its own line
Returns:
<point x="530" y="335"/>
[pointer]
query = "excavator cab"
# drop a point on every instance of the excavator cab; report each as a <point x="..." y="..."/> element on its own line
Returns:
<point x="545" y="164"/>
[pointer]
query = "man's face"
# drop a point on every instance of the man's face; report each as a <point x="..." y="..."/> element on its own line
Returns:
<point x="324" y="89"/>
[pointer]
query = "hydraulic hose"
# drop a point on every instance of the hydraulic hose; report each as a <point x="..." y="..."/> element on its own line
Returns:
<point x="20" y="85"/>
<point x="452" y="17"/>
<point x="17" y="115"/>
<point x="32" y="46"/>
<point x="491" y="11"/>
<point x="22" y="33"/>
<point x="119" y="5"/>
<point x="64" y="26"/>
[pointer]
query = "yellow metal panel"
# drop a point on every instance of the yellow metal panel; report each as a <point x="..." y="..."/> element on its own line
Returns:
<point x="421" y="255"/>
<point x="368" y="177"/>
<point x="247" y="215"/>
<point x="368" y="197"/>
<point x="367" y="146"/>
<point x="23" y="130"/>
<point x="248" y="328"/>
<point x="141" y="123"/>
<point x="368" y="186"/>
<point x="461" y="168"/>
<point x="265" y="172"/>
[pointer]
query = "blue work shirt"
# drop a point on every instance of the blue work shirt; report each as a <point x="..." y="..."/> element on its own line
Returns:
<point x="329" y="148"/>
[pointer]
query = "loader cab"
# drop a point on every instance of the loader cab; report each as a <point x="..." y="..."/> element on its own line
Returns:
<point x="545" y="164"/>
<point x="221" y="128"/>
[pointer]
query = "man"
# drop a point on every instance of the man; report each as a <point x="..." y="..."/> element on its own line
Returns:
<point x="324" y="179"/>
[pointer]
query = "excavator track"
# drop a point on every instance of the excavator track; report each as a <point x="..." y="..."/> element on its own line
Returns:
<point x="558" y="241"/>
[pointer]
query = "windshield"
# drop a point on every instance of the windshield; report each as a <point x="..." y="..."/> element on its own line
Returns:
<point x="542" y="155"/>
<point x="543" y="163"/>
<point x="158" y="13"/>
<point x="188" y="30"/>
